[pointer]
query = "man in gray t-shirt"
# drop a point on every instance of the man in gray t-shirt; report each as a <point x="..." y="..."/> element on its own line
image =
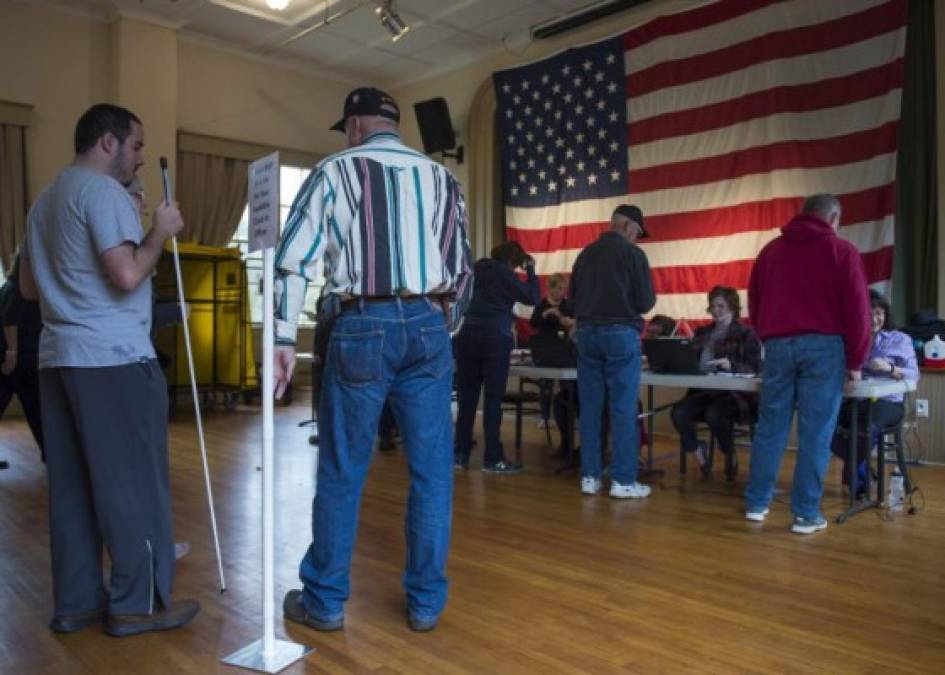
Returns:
<point x="103" y="396"/>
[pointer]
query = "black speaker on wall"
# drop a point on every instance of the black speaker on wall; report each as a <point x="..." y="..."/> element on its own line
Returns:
<point x="436" y="128"/>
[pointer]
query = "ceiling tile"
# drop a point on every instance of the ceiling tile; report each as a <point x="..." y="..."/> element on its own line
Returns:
<point x="233" y="27"/>
<point x="430" y="9"/>
<point x="419" y="37"/>
<point x="321" y="46"/>
<point x="513" y="22"/>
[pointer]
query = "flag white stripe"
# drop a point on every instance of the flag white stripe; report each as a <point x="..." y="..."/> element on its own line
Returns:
<point x="798" y="70"/>
<point x="785" y="183"/>
<point x="806" y="126"/>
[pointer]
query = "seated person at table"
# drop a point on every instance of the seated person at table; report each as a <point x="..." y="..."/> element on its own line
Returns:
<point x="482" y="349"/>
<point x="891" y="356"/>
<point x="726" y="346"/>
<point x="553" y="318"/>
<point x="553" y="313"/>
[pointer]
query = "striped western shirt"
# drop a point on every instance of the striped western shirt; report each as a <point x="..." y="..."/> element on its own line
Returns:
<point x="386" y="220"/>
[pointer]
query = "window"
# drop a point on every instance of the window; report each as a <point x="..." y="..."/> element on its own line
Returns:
<point x="290" y="180"/>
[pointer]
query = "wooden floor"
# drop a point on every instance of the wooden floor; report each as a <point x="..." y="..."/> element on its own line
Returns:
<point x="543" y="579"/>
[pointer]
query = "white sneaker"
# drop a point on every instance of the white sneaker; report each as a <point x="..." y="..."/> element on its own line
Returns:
<point x="757" y="516"/>
<point x="590" y="486"/>
<point x="632" y="491"/>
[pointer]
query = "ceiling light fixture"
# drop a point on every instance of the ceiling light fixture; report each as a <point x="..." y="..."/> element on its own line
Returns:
<point x="278" y="4"/>
<point x="391" y="20"/>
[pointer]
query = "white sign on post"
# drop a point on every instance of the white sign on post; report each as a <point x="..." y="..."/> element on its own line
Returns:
<point x="264" y="202"/>
<point x="268" y="654"/>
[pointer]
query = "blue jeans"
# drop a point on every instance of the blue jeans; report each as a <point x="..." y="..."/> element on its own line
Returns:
<point x="397" y="350"/>
<point x="806" y="371"/>
<point x="609" y="369"/>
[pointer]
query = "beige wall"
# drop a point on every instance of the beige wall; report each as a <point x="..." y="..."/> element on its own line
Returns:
<point x="143" y="60"/>
<point x="222" y="94"/>
<point x="63" y="62"/>
<point x="57" y="63"/>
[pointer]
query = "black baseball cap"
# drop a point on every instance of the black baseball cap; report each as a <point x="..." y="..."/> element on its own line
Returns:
<point x="635" y="214"/>
<point x="368" y="101"/>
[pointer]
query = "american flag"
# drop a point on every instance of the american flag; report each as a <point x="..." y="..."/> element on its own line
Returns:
<point x="717" y="121"/>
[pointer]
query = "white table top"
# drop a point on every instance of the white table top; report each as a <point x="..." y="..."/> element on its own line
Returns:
<point x="868" y="388"/>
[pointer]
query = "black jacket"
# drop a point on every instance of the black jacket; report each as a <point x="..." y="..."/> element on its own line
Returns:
<point x="496" y="288"/>
<point x="740" y="345"/>
<point x="611" y="283"/>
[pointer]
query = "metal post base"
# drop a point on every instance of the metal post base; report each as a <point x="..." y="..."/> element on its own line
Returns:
<point x="252" y="657"/>
<point x="859" y="507"/>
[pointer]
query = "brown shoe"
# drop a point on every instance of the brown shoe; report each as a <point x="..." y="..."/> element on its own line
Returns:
<point x="175" y="616"/>
<point x="70" y="623"/>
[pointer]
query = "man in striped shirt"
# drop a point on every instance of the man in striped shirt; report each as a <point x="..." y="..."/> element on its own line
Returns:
<point x="388" y="225"/>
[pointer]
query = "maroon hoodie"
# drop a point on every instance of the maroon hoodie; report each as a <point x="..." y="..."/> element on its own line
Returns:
<point x="809" y="280"/>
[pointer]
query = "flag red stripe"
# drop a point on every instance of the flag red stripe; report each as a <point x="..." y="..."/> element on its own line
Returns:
<point x="735" y="273"/>
<point x="858" y="207"/>
<point x="812" y="154"/>
<point x="694" y="19"/>
<point x="828" y="93"/>
<point x="783" y="44"/>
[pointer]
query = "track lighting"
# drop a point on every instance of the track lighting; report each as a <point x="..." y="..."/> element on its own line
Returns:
<point x="391" y="20"/>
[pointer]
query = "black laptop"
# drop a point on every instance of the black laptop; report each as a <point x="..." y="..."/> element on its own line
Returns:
<point x="676" y="356"/>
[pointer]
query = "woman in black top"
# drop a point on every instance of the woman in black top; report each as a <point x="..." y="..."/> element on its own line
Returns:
<point x="482" y="349"/>
<point x="19" y="353"/>
<point x="725" y="346"/>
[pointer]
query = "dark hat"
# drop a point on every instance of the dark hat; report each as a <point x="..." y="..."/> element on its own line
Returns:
<point x="635" y="214"/>
<point x="368" y="101"/>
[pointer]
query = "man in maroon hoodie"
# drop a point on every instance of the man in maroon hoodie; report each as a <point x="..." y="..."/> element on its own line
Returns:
<point x="808" y="301"/>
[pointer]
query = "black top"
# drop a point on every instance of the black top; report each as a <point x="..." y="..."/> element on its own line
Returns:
<point x="740" y="345"/>
<point x="15" y="310"/>
<point x="611" y="283"/>
<point x="496" y="288"/>
<point x="550" y="324"/>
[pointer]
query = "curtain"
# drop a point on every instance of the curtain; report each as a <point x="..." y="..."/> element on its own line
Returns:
<point x="484" y="200"/>
<point x="13" y="200"/>
<point x="212" y="192"/>
<point x="915" y="267"/>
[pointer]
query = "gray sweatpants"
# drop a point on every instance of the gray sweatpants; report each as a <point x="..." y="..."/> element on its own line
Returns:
<point x="106" y="448"/>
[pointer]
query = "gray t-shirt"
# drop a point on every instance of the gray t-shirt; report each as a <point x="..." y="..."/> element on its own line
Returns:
<point x="87" y="321"/>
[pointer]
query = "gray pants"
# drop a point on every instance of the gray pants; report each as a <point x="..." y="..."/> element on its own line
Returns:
<point x="106" y="447"/>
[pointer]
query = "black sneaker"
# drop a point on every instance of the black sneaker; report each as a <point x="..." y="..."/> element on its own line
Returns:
<point x="294" y="610"/>
<point x="502" y="466"/>
<point x="460" y="463"/>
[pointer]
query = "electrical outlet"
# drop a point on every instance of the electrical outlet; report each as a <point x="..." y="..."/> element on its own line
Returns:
<point x="922" y="407"/>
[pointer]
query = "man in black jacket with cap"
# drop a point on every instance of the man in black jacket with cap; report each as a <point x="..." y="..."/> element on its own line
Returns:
<point x="611" y="287"/>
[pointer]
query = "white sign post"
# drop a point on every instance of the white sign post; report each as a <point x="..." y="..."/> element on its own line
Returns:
<point x="267" y="655"/>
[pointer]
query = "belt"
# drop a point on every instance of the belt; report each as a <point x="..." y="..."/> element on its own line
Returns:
<point x="438" y="298"/>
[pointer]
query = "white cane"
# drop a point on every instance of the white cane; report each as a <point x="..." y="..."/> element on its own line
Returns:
<point x="193" y="382"/>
